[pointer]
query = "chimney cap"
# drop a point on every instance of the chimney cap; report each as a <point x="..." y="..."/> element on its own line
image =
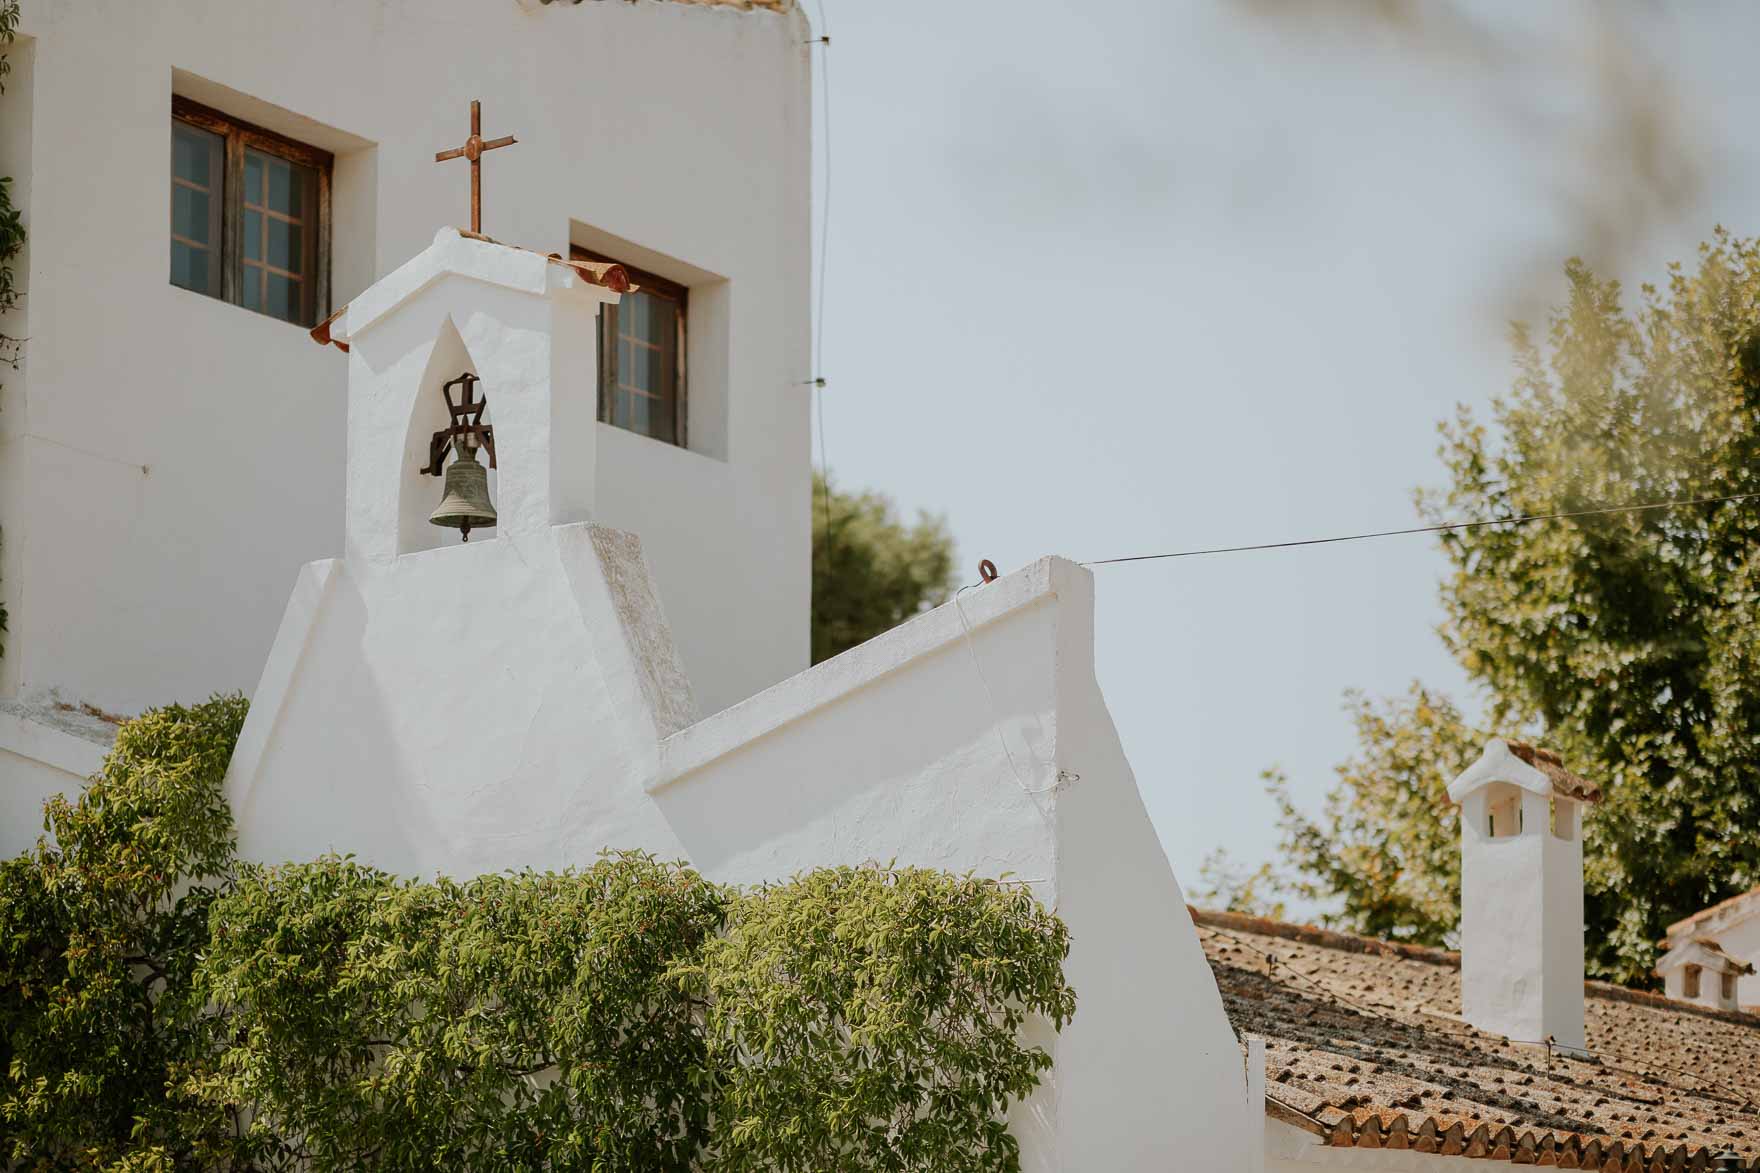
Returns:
<point x="1528" y="766"/>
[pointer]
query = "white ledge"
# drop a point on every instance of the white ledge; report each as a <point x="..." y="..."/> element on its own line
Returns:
<point x="67" y="741"/>
<point x="692" y="748"/>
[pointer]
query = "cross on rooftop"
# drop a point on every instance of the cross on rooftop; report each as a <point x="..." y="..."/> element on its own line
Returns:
<point x="473" y="149"/>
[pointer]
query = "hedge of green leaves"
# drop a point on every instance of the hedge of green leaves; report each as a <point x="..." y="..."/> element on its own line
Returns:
<point x="165" y="1007"/>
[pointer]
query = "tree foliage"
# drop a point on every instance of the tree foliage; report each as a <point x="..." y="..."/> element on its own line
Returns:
<point x="1386" y="850"/>
<point x="871" y="571"/>
<point x="101" y="928"/>
<point x="163" y="1007"/>
<point x="870" y="1018"/>
<point x="1629" y="641"/>
<point x="1230" y="887"/>
<point x="515" y="1021"/>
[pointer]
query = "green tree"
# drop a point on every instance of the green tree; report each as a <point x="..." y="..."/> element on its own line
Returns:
<point x="101" y="927"/>
<point x="1629" y="640"/>
<point x="1386" y="852"/>
<point x="870" y="1018"/>
<point x="1229" y="887"/>
<point x="871" y="571"/>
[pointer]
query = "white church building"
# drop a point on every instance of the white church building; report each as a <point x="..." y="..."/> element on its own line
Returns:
<point x="269" y="350"/>
<point x="202" y="181"/>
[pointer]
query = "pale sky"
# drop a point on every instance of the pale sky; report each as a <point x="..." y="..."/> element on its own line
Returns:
<point x="1110" y="279"/>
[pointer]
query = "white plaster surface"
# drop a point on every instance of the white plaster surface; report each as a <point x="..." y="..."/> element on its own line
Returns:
<point x="169" y="461"/>
<point x="1673" y="965"/>
<point x="1735" y="926"/>
<point x="48" y="750"/>
<point x="518" y="701"/>
<point x="1521" y="909"/>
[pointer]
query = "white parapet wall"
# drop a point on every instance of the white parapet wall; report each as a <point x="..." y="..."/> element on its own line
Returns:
<point x="968" y="742"/>
<point x="45" y="749"/>
<point x="980" y="741"/>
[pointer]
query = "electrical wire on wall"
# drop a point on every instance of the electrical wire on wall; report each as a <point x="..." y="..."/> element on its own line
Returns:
<point x="823" y="43"/>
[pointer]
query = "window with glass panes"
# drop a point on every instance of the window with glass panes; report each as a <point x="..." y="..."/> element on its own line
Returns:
<point x="642" y="355"/>
<point x="248" y="215"/>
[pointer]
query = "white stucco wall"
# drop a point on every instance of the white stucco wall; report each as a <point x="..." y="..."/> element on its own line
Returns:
<point x="519" y="701"/>
<point x="169" y="461"/>
<point x="51" y="752"/>
<point x="1736" y="929"/>
<point x="891" y="751"/>
<point x="1742" y="940"/>
<point x="1521" y="906"/>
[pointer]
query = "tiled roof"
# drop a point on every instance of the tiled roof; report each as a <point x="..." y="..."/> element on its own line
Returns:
<point x="1735" y="908"/>
<point x="1365" y="1048"/>
<point x="1550" y="764"/>
<point x="1712" y="952"/>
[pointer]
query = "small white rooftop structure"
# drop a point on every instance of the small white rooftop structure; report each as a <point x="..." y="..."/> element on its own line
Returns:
<point x="1522" y="894"/>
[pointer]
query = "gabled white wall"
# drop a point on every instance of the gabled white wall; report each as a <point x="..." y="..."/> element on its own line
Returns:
<point x="183" y="457"/>
<point x="893" y="750"/>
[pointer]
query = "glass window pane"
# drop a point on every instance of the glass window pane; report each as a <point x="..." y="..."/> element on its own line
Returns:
<point x="190" y="213"/>
<point x="290" y="186"/>
<point x="639" y="405"/>
<point x="253" y="178"/>
<point x="281" y="196"/>
<point x="253" y="236"/>
<point x="662" y="321"/>
<point x="284" y="297"/>
<point x="650" y="364"/>
<point x="253" y="288"/>
<point x="196" y="162"/>
<point x="284" y="245"/>
<point x="191" y="267"/>
<point x="195" y="155"/>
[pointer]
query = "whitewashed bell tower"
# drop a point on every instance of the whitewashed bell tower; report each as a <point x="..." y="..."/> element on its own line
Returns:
<point x="1522" y="894"/>
<point x="432" y="705"/>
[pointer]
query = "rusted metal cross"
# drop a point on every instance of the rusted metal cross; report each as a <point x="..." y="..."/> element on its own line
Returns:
<point x="473" y="149"/>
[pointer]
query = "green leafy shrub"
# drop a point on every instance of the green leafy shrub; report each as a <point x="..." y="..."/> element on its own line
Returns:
<point x="870" y="1018"/>
<point x="164" y="1008"/>
<point x="100" y="928"/>
<point x="514" y="1021"/>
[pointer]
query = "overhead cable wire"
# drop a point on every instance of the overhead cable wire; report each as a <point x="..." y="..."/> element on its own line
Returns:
<point x="1444" y="527"/>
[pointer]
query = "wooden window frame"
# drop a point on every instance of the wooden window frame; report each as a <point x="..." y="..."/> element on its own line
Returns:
<point x="238" y="136"/>
<point x="673" y="291"/>
<point x="1690" y="981"/>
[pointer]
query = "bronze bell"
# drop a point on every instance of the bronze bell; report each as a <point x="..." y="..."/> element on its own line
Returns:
<point x="465" y="505"/>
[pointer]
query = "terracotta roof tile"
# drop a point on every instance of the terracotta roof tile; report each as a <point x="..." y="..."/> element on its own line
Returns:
<point x="1550" y="764"/>
<point x="1365" y="1047"/>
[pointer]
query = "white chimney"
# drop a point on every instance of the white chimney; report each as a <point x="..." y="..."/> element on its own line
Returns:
<point x="1522" y="894"/>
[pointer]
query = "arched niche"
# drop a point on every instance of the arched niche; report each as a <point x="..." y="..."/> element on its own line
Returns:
<point x="417" y="492"/>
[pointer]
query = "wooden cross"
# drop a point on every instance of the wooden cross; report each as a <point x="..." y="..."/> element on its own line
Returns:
<point x="473" y="149"/>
